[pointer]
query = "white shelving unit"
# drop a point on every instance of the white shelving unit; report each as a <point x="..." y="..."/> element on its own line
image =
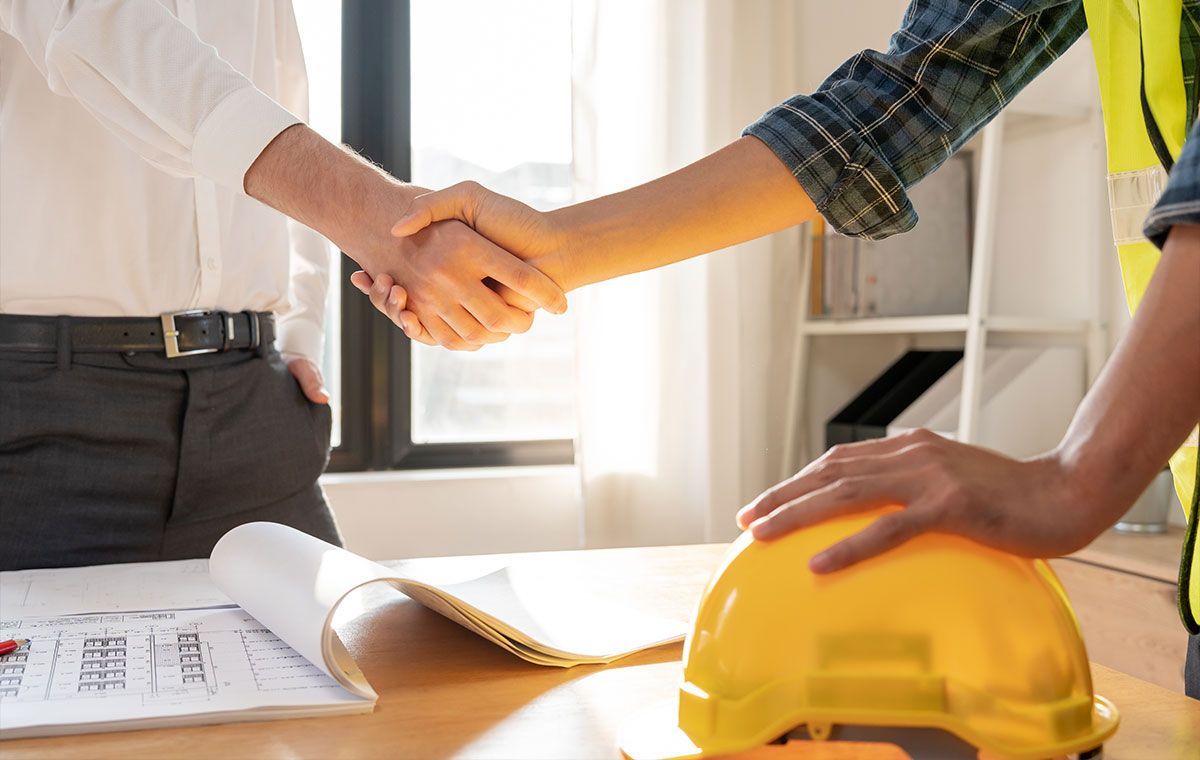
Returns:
<point x="978" y="324"/>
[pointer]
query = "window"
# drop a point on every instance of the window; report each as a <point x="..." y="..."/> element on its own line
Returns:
<point x="453" y="100"/>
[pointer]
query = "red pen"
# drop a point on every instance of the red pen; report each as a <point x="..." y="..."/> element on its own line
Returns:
<point x="11" y="645"/>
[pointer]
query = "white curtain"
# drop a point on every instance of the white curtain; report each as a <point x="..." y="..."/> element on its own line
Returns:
<point x="679" y="369"/>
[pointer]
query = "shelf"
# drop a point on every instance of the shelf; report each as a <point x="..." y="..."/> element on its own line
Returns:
<point x="942" y="323"/>
<point x="1037" y="325"/>
<point x="887" y="325"/>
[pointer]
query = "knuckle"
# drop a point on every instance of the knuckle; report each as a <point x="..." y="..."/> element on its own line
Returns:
<point x="839" y="451"/>
<point x="927" y="451"/>
<point x="766" y="504"/>
<point x="920" y="436"/>
<point x="894" y="530"/>
<point x="828" y="471"/>
<point x="495" y="322"/>
<point x="475" y="334"/>
<point x="846" y="489"/>
<point x="522" y="278"/>
<point x="785" y="515"/>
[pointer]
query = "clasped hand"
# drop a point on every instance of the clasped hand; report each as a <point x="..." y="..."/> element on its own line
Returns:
<point x="476" y="268"/>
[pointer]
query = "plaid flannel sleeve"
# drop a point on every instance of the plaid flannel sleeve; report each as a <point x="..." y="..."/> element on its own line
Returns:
<point x="1180" y="202"/>
<point x="882" y="121"/>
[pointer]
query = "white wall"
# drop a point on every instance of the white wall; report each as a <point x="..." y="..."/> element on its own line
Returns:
<point x="392" y="515"/>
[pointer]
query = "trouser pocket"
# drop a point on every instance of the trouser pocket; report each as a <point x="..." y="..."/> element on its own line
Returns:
<point x="250" y="439"/>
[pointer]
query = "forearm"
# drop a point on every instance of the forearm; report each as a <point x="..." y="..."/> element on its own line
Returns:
<point x="1145" y="401"/>
<point x="739" y="193"/>
<point x="331" y="190"/>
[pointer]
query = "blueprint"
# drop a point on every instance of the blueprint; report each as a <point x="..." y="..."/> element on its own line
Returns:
<point x="130" y="669"/>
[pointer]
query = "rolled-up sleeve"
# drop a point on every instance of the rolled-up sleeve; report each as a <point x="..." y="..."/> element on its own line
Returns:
<point x="150" y="80"/>
<point x="1180" y="202"/>
<point x="883" y="121"/>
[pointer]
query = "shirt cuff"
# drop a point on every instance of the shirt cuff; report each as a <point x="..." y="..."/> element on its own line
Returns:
<point x="297" y="335"/>
<point x="856" y="191"/>
<point x="1164" y="216"/>
<point x="235" y="132"/>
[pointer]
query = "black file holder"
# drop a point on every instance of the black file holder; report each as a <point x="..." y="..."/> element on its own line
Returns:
<point x="870" y="412"/>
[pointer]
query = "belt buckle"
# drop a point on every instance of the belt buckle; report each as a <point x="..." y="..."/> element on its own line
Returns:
<point x="171" y="334"/>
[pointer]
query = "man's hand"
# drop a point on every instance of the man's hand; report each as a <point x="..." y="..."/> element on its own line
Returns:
<point x="1034" y="508"/>
<point x="391" y="300"/>
<point x="531" y="235"/>
<point x="443" y="267"/>
<point x="526" y="233"/>
<point x="308" y="375"/>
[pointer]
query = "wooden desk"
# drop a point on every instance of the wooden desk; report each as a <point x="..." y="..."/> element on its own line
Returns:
<point x="444" y="692"/>
<point x="1123" y="589"/>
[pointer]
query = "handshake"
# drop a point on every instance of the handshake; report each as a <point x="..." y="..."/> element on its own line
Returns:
<point x="470" y="267"/>
<point x="463" y="267"/>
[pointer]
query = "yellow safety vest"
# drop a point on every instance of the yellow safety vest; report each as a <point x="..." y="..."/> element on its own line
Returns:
<point x="1137" y="51"/>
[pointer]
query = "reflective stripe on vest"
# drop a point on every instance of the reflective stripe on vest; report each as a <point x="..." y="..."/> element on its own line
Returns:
<point x="1136" y="44"/>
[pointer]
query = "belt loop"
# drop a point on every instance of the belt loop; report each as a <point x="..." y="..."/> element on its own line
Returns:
<point x="256" y="342"/>
<point x="228" y="329"/>
<point x="62" y="342"/>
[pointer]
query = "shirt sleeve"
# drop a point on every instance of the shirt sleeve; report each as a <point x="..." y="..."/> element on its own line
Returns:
<point x="302" y="325"/>
<point x="883" y="121"/>
<point x="149" y="79"/>
<point x="1180" y="201"/>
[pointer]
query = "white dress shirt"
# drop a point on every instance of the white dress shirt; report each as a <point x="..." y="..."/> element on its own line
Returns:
<point x="126" y="128"/>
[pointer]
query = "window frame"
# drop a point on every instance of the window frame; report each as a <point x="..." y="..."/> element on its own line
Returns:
<point x="376" y="357"/>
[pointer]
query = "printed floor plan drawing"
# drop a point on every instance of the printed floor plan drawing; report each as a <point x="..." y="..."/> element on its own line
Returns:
<point x="120" y="666"/>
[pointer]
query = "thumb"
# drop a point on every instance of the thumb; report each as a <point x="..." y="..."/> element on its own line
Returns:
<point x="455" y="202"/>
<point x="308" y="376"/>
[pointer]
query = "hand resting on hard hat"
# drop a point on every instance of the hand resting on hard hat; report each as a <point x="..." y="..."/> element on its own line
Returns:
<point x="1026" y="507"/>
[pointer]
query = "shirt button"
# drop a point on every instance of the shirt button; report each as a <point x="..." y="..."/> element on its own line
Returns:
<point x="212" y="265"/>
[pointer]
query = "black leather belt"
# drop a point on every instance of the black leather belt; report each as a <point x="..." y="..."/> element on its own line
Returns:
<point x="183" y="333"/>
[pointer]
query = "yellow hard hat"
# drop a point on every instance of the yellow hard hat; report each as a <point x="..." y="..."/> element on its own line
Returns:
<point x="940" y="632"/>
